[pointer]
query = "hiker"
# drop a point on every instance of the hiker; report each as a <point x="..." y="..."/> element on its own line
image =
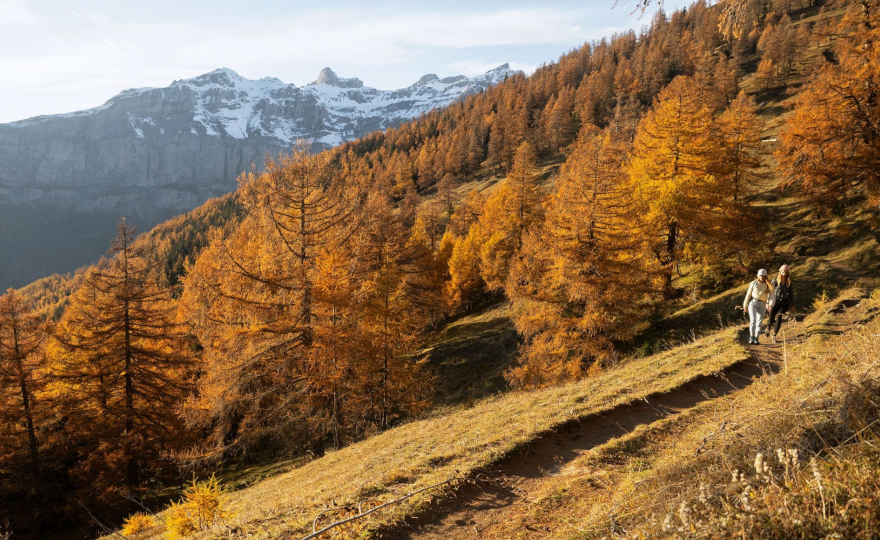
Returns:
<point x="781" y="299"/>
<point x="756" y="304"/>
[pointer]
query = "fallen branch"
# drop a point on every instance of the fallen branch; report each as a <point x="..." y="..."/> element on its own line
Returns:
<point x="106" y="529"/>
<point x="368" y="512"/>
<point x="709" y="437"/>
<point x="136" y="500"/>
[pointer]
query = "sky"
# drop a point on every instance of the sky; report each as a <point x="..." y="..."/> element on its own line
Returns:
<point x="60" y="56"/>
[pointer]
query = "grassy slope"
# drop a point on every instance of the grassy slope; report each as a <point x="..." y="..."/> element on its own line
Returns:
<point x="632" y="483"/>
<point x="459" y="444"/>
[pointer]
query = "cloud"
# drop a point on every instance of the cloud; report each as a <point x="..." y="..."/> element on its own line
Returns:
<point x="79" y="54"/>
<point x="89" y="17"/>
<point x="16" y="13"/>
<point x="259" y="48"/>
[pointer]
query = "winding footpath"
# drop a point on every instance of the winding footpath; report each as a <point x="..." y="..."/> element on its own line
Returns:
<point x="506" y="488"/>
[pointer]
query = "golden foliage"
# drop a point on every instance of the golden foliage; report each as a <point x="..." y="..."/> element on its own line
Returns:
<point x="830" y="146"/>
<point x="308" y="311"/>
<point x="580" y="281"/>
<point x="691" y="173"/>
<point x="136" y="524"/>
<point x="24" y="400"/>
<point x="465" y="286"/>
<point x="507" y="214"/>
<point x="201" y="508"/>
<point x="127" y="365"/>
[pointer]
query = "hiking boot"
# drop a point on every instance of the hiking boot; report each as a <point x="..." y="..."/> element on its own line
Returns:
<point x="756" y="341"/>
<point x="751" y="340"/>
<point x="773" y="338"/>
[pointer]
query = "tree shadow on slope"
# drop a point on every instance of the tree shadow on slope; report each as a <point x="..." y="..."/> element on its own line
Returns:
<point x="471" y="353"/>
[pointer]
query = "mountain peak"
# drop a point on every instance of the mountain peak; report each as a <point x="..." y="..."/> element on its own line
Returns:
<point x="226" y="71"/>
<point x="329" y="77"/>
<point x="425" y="79"/>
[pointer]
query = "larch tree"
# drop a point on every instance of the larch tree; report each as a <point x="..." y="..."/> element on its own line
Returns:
<point x="127" y="365"/>
<point x="582" y="282"/>
<point x="467" y="213"/>
<point x="509" y="211"/>
<point x="444" y="192"/>
<point x="22" y="382"/>
<point x="429" y="266"/>
<point x="465" y="286"/>
<point x="671" y="168"/>
<point x="252" y="296"/>
<point x="737" y="174"/>
<point x="388" y="314"/>
<point x="766" y="73"/>
<point x="830" y="145"/>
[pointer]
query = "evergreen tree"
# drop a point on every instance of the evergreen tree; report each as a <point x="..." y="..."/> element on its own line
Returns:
<point x="22" y="383"/>
<point x="127" y="367"/>
<point x="582" y="282"/>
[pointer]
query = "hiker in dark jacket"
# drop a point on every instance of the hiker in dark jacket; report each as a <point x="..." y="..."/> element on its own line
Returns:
<point x="781" y="300"/>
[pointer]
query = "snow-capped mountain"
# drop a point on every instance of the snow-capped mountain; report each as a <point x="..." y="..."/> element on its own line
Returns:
<point x="150" y="153"/>
<point x="196" y="135"/>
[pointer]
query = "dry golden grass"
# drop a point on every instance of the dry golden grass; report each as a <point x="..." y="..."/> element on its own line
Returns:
<point x="426" y="451"/>
<point x="630" y="485"/>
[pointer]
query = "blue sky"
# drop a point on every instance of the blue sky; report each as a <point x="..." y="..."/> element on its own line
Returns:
<point x="61" y="56"/>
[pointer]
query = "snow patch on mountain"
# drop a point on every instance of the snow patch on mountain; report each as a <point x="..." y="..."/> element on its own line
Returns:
<point x="225" y="104"/>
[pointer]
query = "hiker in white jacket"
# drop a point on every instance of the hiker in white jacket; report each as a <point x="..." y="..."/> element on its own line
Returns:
<point x="756" y="304"/>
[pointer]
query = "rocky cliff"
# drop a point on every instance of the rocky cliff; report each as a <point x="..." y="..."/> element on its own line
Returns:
<point x="150" y="153"/>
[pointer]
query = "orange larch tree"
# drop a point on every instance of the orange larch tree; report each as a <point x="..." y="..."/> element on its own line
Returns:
<point x="22" y="383"/>
<point x="737" y="226"/>
<point x="508" y="213"/>
<point x="126" y="365"/>
<point x="582" y="282"/>
<point x="830" y="145"/>
<point x="388" y="315"/>
<point x="252" y="299"/>
<point x="671" y="174"/>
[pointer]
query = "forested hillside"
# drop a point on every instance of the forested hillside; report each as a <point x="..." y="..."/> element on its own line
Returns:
<point x="602" y="201"/>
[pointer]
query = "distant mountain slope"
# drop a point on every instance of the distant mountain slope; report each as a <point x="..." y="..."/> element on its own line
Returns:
<point x="152" y="153"/>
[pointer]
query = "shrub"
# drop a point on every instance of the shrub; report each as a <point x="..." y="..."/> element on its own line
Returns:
<point x="201" y="508"/>
<point x="828" y="488"/>
<point x="820" y="304"/>
<point x="135" y="524"/>
<point x="178" y="521"/>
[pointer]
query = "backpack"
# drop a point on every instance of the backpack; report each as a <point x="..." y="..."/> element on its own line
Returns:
<point x="781" y="293"/>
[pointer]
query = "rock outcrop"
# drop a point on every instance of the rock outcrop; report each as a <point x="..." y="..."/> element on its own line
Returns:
<point x="153" y="152"/>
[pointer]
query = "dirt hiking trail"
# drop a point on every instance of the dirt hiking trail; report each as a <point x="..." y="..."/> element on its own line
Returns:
<point x="506" y="487"/>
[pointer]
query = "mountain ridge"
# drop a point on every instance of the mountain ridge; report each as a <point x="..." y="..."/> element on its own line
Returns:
<point x="152" y="153"/>
<point x="191" y="139"/>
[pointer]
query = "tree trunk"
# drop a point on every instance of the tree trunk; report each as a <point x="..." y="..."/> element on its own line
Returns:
<point x="132" y="474"/>
<point x="29" y="417"/>
<point x="26" y="403"/>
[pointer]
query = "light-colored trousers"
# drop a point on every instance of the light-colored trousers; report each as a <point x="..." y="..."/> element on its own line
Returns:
<point x="757" y="309"/>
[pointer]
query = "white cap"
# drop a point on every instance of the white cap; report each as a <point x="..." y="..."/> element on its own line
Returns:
<point x="762" y="272"/>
